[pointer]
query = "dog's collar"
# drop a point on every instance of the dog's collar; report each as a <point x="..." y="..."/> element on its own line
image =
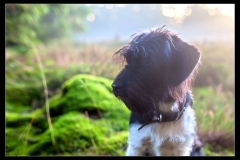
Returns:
<point x="172" y="116"/>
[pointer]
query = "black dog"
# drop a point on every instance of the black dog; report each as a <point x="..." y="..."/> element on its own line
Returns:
<point x="155" y="86"/>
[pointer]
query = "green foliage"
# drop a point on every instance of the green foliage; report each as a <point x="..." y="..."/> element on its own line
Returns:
<point x="210" y="151"/>
<point x="33" y="23"/>
<point x="23" y="82"/>
<point x="214" y="109"/>
<point x="19" y="21"/>
<point x="64" y="20"/>
<point x="215" y="119"/>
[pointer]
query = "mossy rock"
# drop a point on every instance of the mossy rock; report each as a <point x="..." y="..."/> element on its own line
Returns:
<point x="87" y="120"/>
<point x="16" y="119"/>
<point x="116" y="144"/>
<point x="36" y="119"/>
<point x="20" y="132"/>
<point x="19" y="138"/>
<point x="88" y="94"/>
<point x="75" y="133"/>
<point x="17" y="108"/>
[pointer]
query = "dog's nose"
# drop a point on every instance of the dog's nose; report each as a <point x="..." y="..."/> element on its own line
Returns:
<point x="116" y="88"/>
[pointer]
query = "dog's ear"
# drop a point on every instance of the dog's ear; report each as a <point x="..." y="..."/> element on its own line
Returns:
<point x="184" y="60"/>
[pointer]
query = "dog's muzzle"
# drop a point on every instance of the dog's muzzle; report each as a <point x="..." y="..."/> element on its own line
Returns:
<point x="116" y="89"/>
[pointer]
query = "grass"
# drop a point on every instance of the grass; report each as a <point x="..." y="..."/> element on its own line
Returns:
<point x="215" y="118"/>
<point x="215" y="110"/>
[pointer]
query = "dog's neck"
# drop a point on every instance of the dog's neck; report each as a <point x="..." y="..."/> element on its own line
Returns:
<point x="171" y="111"/>
<point x="175" y="106"/>
<point x="168" y="107"/>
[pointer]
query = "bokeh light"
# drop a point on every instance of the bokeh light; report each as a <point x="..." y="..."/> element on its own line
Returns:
<point x="91" y="17"/>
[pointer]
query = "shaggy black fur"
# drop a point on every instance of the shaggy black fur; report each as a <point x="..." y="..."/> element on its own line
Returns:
<point x="158" y="66"/>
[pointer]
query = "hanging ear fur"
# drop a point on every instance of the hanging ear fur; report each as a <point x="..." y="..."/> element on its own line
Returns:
<point x="183" y="61"/>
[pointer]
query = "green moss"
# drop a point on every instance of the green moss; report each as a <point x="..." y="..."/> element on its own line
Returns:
<point x="88" y="93"/>
<point x="72" y="132"/>
<point x="87" y="120"/>
<point x="16" y="108"/>
<point x="18" y="139"/>
<point x="92" y="92"/>
<point x="36" y="119"/>
<point x="116" y="144"/>
<point x="15" y="119"/>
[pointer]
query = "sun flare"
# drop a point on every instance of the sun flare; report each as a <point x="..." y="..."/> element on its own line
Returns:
<point x="180" y="11"/>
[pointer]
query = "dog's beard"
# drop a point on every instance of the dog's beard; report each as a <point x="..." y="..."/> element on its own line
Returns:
<point x="140" y="102"/>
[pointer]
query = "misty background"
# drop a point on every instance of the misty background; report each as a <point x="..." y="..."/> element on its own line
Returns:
<point x="191" y="22"/>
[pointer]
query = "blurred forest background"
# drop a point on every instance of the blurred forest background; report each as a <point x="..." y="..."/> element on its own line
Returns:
<point x="59" y="70"/>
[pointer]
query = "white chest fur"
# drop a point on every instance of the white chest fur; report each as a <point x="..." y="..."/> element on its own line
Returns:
<point x="164" y="139"/>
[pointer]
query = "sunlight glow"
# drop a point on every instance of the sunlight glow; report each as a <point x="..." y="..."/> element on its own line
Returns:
<point x="91" y="17"/>
<point x="178" y="12"/>
<point x="168" y="12"/>
<point x="228" y="10"/>
<point x="225" y="9"/>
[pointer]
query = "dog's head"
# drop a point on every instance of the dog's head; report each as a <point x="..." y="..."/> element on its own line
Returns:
<point x="159" y="67"/>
